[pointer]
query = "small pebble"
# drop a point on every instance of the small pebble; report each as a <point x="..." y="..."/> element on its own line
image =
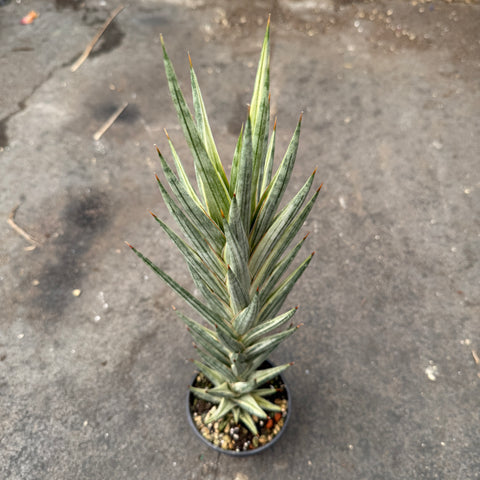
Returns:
<point x="77" y="292"/>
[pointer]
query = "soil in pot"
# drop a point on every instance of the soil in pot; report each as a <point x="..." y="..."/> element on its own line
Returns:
<point x="229" y="436"/>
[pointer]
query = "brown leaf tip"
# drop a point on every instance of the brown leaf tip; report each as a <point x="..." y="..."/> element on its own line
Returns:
<point x="128" y="245"/>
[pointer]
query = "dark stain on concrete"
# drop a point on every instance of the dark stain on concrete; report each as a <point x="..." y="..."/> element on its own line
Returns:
<point x="110" y="40"/>
<point x="3" y="134"/>
<point x="84" y="217"/>
<point x="102" y="111"/>
<point x="73" y="4"/>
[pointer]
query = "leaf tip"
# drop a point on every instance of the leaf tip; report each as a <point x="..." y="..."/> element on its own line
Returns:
<point x="190" y="60"/>
<point x="319" y="188"/>
<point x="291" y="364"/>
<point x="129" y="245"/>
<point x="166" y="133"/>
<point x="275" y="124"/>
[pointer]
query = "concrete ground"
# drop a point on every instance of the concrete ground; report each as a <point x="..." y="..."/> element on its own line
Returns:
<point x="386" y="383"/>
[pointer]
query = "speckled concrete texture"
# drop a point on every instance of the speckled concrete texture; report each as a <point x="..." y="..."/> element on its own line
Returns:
<point x="94" y="366"/>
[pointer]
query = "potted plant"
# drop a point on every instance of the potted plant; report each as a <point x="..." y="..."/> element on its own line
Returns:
<point x="237" y="244"/>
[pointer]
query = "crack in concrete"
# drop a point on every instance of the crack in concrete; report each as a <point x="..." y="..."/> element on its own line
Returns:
<point x="22" y="104"/>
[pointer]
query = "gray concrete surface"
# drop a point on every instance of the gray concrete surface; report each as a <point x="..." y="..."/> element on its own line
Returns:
<point x="385" y="384"/>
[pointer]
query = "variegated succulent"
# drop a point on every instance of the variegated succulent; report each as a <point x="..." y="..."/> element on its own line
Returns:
<point x="237" y="246"/>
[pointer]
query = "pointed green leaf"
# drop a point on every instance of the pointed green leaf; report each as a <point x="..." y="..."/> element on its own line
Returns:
<point x="276" y="190"/>
<point x="182" y="175"/>
<point x="264" y="392"/>
<point x="240" y="387"/>
<point x="204" y="126"/>
<point x="222" y="390"/>
<point x="275" y="301"/>
<point x="266" y="404"/>
<point x="193" y="234"/>
<point x="215" y="192"/>
<point x="248" y="403"/>
<point x="216" y="304"/>
<point x="270" y="273"/>
<point x="269" y="326"/>
<point x="244" y="179"/>
<point x="230" y="342"/>
<point x="279" y="225"/>
<point x="204" y="311"/>
<point x="261" y="78"/>
<point x="206" y="339"/>
<point x="236" y="256"/>
<point x="247" y="420"/>
<point x="237" y="230"/>
<point x="205" y="274"/>
<point x="193" y="209"/>
<point x="255" y="364"/>
<point x="267" y="343"/>
<point x="259" y="147"/>
<point x="262" y="376"/>
<point x="238" y="296"/>
<point x="217" y="366"/>
<point x="236" y="414"/>
<point x="223" y="408"/>
<point x="215" y="377"/>
<point x="201" y="393"/>
<point x="269" y="157"/>
<point x="247" y="317"/>
<point x="236" y="163"/>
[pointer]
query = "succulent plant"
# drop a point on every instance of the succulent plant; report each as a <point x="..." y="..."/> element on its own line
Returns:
<point x="237" y="246"/>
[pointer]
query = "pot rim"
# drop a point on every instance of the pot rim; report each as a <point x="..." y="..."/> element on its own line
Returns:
<point x="244" y="453"/>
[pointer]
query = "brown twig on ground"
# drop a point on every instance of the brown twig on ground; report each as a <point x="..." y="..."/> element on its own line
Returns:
<point x="95" y="39"/>
<point x="476" y="357"/>
<point x="98" y="134"/>
<point x="20" y="230"/>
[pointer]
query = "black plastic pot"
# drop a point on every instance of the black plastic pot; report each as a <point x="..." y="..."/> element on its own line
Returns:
<point x="190" y="396"/>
